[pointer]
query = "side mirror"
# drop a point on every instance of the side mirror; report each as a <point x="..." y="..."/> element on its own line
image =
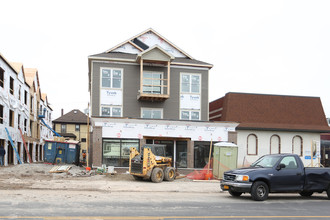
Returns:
<point x="280" y="166"/>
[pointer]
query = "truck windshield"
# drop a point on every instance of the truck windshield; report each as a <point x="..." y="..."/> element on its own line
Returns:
<point x="266" y="161"/>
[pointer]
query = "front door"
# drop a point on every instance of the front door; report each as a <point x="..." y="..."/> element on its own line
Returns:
<point x="289" y="178"/>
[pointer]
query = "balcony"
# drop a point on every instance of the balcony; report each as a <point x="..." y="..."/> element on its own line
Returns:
<point x="154" y="84"/>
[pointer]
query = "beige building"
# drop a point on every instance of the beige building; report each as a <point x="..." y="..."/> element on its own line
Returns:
<point x="73" y="126"/>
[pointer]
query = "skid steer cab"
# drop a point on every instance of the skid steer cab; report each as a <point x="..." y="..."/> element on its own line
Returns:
<point x="151" y="164"/>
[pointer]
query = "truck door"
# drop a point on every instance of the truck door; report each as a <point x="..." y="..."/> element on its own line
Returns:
<point x="289" y="178"/>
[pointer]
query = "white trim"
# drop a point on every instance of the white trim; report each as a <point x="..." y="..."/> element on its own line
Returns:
<point x="152" y="109"/>
<point x="199" y="93"/>
<point x="215" y="116"/>
<point x="111" y="107"/>
<point x="217" y="110"/>
<point x="190" y="111"/>
<point x="102" y="88"/>
<point x="111" y="77"/>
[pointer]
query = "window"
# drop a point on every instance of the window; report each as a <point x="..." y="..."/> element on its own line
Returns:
<point x="116" y="151"/>
<point x="111" y="78"/>
<point x="77" y="127"/>
<point x="152" y="82"/>
<point x="19" y="121"/>
<point x="25" y="125"/>
<point x="63" y="128"/>
<point x="297" y="145"/>
<point x="289" y="162"/>
<point x="252" y="144"/>
<point x="83" y="139"/>
<point x="25" y="97"/>
<point x="31" y="105"/>
<point x="2" y="77"/>
<point x="11" y="118"/>
<point x="152" y="113"/>
<point x="19" y="93"/>
<point x="111" y="111"/>
<point x="11" y="86"/>
<point x="1" y="114"/>
<point x="190" y="115"/>
<point x="275" y="144"/>
<point x="190" y="83"/>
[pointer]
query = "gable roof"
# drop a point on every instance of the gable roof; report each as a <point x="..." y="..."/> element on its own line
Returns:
<point x="30" y="74"/>
<point x="73" y="117"/>
<point x="273" y="112"/>
<point x="132" y="41"/>
<point x="8" y="63"/>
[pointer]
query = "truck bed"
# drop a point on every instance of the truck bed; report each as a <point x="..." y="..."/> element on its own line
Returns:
<point x="316" y="178"/>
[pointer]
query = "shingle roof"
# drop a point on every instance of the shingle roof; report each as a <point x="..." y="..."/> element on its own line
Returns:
<point x="128" y="56"/>
<point x="273" y="112"/>
<point x="73" y="117"/>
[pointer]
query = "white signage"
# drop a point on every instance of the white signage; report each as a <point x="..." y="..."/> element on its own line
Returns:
<point x="134" y="130"/>
<point x="190" y="101"/>
<point x="111" y="97"/>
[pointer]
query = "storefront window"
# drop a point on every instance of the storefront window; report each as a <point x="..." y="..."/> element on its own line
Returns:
<point x="201" y="153"/>
<point x="116" y="151"/>
<point x="181" y="154"/>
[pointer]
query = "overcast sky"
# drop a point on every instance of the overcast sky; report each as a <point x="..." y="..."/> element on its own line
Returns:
<point x="268" y="47"/>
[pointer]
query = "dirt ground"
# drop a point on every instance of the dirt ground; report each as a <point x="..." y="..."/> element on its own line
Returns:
<point x="36" y="176"/>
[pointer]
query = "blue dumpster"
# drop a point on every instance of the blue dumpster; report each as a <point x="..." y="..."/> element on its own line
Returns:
<point x="61" y="152"/>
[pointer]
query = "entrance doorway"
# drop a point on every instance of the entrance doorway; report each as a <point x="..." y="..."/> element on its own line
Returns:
<point x="30" y="151"/>
<point x="10" y="154"/>
<point x="175" y="149"/>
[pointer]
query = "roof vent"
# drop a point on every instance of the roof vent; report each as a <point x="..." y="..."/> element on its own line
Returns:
<point x="75" y="111"/>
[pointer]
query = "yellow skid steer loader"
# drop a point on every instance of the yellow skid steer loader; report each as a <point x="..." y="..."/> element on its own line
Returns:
<point x="151" y="163"/>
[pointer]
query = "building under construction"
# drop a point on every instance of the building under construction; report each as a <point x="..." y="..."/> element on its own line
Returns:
<point x="21" y="104"/>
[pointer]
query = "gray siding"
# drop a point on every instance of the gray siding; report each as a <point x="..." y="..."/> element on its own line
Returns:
<point x="131" y="83"/>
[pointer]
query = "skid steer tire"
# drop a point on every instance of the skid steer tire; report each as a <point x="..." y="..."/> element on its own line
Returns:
<point x="169" y="174"/>
<point x="157" y="175"/>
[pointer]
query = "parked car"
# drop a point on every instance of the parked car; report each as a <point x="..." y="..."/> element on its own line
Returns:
<point x="276" y="173"/>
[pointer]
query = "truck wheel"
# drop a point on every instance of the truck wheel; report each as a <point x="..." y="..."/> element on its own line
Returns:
<point x="169" y="174"/>
<point x="233" y="193"/>
<point x="157" y="175"/>
<point x="259" y="191"/>
<point x="328" y="192"/>
<point x="306" y="193"/>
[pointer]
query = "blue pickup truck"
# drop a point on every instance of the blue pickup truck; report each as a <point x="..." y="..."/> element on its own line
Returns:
<point x="276" y="173"/>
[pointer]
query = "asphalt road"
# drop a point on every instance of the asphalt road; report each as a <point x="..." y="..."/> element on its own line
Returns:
<point x="77" y="204"/>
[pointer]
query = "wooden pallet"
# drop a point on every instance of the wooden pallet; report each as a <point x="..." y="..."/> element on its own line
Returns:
<point x="60" y="169"/>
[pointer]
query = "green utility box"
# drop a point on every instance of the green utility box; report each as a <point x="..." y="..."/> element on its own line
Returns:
<point x="224" y="158"/>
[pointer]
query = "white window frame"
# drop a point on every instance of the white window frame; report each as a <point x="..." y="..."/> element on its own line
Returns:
<point x="191" y="93"/>
<point x="153" y="109"/>
<point x="161" y="82"/>
<point x="110" y="109"/>
<point x="111" y="77"/>
<point x="190" y="111"/>
<point x="190" y="83"/>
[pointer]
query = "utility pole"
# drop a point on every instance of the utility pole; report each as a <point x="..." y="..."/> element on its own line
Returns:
<point x="87" y="141"/>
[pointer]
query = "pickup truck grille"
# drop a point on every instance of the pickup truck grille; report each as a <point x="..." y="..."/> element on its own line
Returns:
<point x="229" y="177"/>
